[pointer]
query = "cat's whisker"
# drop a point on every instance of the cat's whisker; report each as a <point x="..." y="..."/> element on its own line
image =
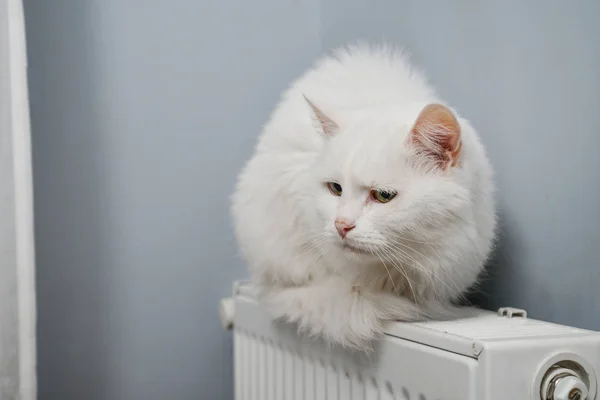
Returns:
<point x="398" y="234"/>
<point x="404" y="273"/>
<point x="429" y="272"/>
<point x="313" y="243"/>
<point x="417" y="265"/>
<point x="373" y="250"/>
<point x="317" y="247"/>
<point x="390" y="252"/>
<point x="314" y="249"/>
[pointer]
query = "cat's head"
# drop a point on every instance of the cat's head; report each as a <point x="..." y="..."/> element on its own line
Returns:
<point x="386" y="180"/>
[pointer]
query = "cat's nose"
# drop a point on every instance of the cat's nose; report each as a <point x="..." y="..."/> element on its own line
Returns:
<point x="343" y="228"/>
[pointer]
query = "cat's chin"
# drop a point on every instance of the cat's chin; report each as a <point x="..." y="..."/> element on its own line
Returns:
<point x="354" y="250"/>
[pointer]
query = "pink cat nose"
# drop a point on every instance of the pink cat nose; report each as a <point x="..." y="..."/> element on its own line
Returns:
<point x="343" y="228"/>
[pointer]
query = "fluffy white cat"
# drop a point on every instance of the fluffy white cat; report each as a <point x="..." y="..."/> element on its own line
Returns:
<point x="366" y="200"/>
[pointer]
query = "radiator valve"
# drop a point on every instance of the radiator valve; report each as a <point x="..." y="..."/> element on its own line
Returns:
<point x="562" y="383"/>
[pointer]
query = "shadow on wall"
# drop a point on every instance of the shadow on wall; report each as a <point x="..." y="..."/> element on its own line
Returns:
<point x="489" y="293"/>
<point x="507" y="276"/>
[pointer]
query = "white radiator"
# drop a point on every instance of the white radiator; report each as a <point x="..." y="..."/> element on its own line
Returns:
<point x="494" y="356"/>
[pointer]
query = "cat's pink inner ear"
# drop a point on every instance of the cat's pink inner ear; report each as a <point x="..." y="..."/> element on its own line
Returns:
<point x="437" y="135"/>
<point x="328" y="125"/>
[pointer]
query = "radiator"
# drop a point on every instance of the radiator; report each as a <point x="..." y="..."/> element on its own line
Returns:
<point x="492" y="356"/>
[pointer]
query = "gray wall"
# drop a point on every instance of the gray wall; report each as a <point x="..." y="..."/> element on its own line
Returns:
<point x="142" y="117"/>
<point x="526" y="74"/>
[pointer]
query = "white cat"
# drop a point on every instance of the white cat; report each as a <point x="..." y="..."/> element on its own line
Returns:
<point x="366" y="200"/>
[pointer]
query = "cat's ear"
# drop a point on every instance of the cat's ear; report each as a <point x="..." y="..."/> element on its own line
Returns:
<point x="328" y="125"/>
<point x="436" y="135"/>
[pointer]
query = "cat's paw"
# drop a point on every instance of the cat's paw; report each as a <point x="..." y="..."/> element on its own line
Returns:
<point x="345" y="318"/>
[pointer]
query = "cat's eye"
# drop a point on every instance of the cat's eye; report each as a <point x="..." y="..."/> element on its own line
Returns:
<point x="383" y="196"/>
<point x="335" y="188"/>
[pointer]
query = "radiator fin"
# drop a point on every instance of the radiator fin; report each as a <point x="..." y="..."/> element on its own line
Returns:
<point x="288" y="368"/>
<point x="266" y="371"/>
<point x="320" y="381"/>
<point x="332" y="384"/>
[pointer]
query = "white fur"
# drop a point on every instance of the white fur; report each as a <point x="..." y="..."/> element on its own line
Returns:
<point x="431" y="240"/>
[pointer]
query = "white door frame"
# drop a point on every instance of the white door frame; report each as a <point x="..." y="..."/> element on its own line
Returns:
<point x="17" y="260"/>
